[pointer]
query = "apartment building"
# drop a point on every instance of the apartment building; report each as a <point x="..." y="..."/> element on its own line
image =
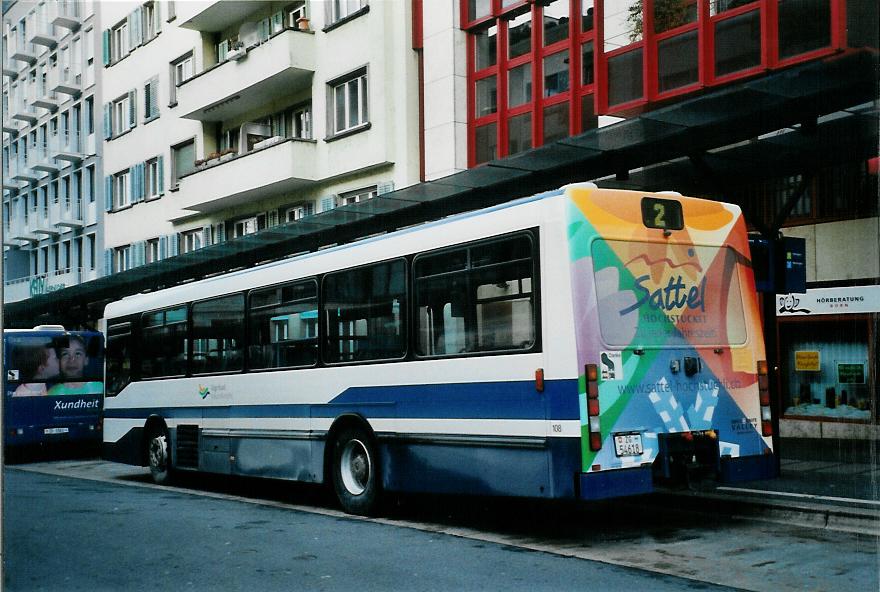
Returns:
<point x="221" y="119"/>
<point x="52" y="222"/>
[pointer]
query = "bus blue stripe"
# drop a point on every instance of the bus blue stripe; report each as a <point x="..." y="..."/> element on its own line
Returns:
<point x="483" y="400"/>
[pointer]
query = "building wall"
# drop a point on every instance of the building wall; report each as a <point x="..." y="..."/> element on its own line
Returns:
<point x="843" y="250"/>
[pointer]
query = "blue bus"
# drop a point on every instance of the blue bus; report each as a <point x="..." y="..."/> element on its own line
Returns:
<point x="53" y="387"/>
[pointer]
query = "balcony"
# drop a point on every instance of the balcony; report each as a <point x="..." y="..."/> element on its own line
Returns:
<point x="42" y="161"/>
<point x="23" y="109"/>
<point x="17" y="289"/>
<point x="67" y="78"/>
<point x="213" y="17"/>
<point x="24" y="52"/>
<point x="9" y="125"/>
<point x="66" y="147"/>
<point x="69" y="217"/>
<point x="281" y="66"/>
<point x="23" y="171"/>
<point x="286" y="166"/>
<point x="10" y="68"/>
<point x="42" y="32"/>
<point x="66" y="14"/>
<point x="46" y="100"/>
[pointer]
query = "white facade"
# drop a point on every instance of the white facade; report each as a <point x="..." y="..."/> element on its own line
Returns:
<point x="287" y="117"/>
<point x="52" y="224"/>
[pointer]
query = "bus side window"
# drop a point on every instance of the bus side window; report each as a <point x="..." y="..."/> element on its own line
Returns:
<point x="118" y="357"/>
<point x="476" y="299"/>
<point x="283" y="323"/>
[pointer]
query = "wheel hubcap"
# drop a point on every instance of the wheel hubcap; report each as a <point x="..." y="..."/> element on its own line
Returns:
<point x="355" y="467"/>
<point x="158" y="454"/>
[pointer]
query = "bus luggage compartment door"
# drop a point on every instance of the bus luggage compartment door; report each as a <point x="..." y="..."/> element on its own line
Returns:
<point x="687" y="456"/>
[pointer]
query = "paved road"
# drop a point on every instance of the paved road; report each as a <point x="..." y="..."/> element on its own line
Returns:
<point x="69" y="534"/>
<point x="241" y="533"/>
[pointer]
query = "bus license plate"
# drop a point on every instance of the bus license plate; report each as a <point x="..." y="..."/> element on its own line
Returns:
<point x="48" y="431"/>
<point x="628" y="444"/>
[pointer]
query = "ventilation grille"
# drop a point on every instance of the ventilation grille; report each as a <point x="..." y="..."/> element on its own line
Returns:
<point x="188" y="446"/>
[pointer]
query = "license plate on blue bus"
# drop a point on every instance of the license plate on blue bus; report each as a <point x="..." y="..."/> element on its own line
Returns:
<point x="629" y="444"/>
<point x="48" y="431"/>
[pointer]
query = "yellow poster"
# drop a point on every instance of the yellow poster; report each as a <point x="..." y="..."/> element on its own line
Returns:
<point x="806" y="361"/>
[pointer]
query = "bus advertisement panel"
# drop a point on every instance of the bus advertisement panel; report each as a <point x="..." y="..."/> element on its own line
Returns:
<point x="53" y="386"/>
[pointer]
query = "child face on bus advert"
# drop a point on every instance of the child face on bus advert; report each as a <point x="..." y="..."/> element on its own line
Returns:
<point x="73" y="359"/>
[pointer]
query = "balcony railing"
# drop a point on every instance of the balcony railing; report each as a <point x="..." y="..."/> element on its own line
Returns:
<point x="23" y="108"/>
<point x="10" y="67"/>
<point x="67" y="78"/>
<point x="282" y="65"/>
<point x="46" y="99"/>
<point x="42" y="32"/>
<point x="24" y="52"/>
<point x="281" y="167"/>
<point x="67" y="146"/>
<point x="43" y="160"/>
<point x="24" y="170"/>
<point x="65" y="13"/>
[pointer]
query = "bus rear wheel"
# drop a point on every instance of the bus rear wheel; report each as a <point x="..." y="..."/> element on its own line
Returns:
<point x="356" y="471"/>
<point x="158" y="456"/>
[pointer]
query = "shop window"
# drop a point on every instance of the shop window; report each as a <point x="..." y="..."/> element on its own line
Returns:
<point x="556" y="73"/>
<point x="587" y="15"/>
<point x="738" y="43"/>
<point x="669" y="14"/>
<point x="677" y="61"/>
<point x="623" y="23"/>
<point x="555" y="122"/>
<point x="825" y="372"/>
<point x="804" y="25"/>
<point x="486" y="143"/>
<point x="587" y="64"/>
<point x="486" y="48"/>
<point x="555" y="15"/>
<point x="625" y="77"/>
<point x="519" y="85"/>
<point x="589" y="119"/>
<point x="478" y="9"/>
<point x="861" y="23"/>
<point x="487" y="96"/>
<point x="519" y="36"/>
<point x="519" y="131"/>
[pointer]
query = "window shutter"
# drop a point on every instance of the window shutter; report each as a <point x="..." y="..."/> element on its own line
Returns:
<point x="139" y="181"/>
<point x="157" y="17"/>
<point x="273" y="218"/>
<point x="132" y="184"/>
<point x="277" y="21"/>
<point x="108" y="193"/>
<point x="310" y="209"/>
<point x="173" y="245"/>
<point x="222" y="50"/>
<point x="108" y="261"/>
<point x="138" y="253"/>
<point x="135" y="28"/>
<point x="328" y="203"/>
<point x="163" y="247"/>
<point x="132" y="108"/>
<point x="206" y="236"/>
<point x="86" y="187"/>
<point x="386" y="187"/>
<point x="161" y="174"/>
<point x="105" y="36"/>
<point x="220" y="233"/>
<point x="108" y="121"/>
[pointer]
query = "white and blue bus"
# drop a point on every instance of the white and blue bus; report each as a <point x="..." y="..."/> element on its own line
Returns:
<point x="583" y="343"/>
<point x="53" y="387"/>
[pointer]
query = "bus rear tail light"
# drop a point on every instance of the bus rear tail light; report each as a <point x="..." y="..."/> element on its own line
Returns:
<point x="591" y="374"/>
<point x="764" y="398"/>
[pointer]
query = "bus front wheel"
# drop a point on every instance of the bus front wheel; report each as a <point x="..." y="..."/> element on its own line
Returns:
<point x="158" y="456"/>
<point x="355" y="471"/>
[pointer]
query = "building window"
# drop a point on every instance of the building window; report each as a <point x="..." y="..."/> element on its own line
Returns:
<point x="340" y="9"/>
<point x="121" y="258"/>
<point x="295" y="11"/>
<point x="182" y="69"/>
<point x="151" y="99"/>
<point x="149" y="17"/>
<point x="90" y="181"/>
<point x="121" y="114"/>
<point x="299" y="212"/>
<point x="93" y="252"/>
<point x="151" y="178"/>
<point x="119" y="41"/>
<point x="359" y="195"/>
<point x="120" y="189"/>
<point x="151" y="254"/>
<point x="301" y="123"/>
<point x="183" y="158"/>
<point x="349" y="107"/>
<point x="190" y="241"/>
<point x="246" y="226"/>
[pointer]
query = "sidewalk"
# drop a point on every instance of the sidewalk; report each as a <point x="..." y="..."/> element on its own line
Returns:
<point x="823" y="484"/>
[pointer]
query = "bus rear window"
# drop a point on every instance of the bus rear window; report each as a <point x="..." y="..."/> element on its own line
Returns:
<point x="668" y="295"/>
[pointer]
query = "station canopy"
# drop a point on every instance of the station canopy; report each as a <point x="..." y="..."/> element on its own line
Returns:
<point x="794" y="121"/>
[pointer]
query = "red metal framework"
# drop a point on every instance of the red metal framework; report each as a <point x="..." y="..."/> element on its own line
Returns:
<point x="673" y="47"/>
